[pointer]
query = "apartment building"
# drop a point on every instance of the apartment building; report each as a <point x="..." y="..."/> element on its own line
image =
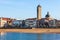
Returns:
<point x="3" y="21"/>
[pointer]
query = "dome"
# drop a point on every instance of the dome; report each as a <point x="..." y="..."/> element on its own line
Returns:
<point x="47" y="15"/>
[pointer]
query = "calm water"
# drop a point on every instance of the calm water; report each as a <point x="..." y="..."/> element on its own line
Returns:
<point x="28" y="36"/>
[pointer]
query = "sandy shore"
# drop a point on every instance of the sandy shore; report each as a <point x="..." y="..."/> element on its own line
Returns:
<point x="33" y="30"/>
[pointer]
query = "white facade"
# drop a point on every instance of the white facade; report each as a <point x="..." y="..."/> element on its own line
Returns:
<point x="31" y="23"/>
<point x="2" y="22"/>
<point x="16" y="22"/>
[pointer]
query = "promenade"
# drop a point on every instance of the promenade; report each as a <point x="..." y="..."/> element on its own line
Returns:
<point x="33" y="30"/>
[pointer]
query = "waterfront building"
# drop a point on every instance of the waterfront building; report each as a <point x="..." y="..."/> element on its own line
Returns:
<point x="58" y="23"/>
<point x="17" y="23"/>
<point x="5" y="21"/>
<point x="47" y="21"/>
<point x="31" y="22"/>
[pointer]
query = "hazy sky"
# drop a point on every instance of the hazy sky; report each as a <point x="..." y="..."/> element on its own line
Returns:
<point x="23" y="9"/>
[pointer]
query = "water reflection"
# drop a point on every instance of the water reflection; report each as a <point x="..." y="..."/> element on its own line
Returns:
<point x="2" y="34"/>
<point x="21" y="36"/>
<point x="49" y="36"/>
<point x="29" y="36"/>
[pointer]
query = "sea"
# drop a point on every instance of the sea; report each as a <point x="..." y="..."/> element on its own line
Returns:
<point x="29" y="36"/>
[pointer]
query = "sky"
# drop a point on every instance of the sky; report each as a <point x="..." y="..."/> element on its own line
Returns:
<point x="23" y="9"/>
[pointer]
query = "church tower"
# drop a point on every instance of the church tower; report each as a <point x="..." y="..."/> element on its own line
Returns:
<point x="39" y="12"/>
